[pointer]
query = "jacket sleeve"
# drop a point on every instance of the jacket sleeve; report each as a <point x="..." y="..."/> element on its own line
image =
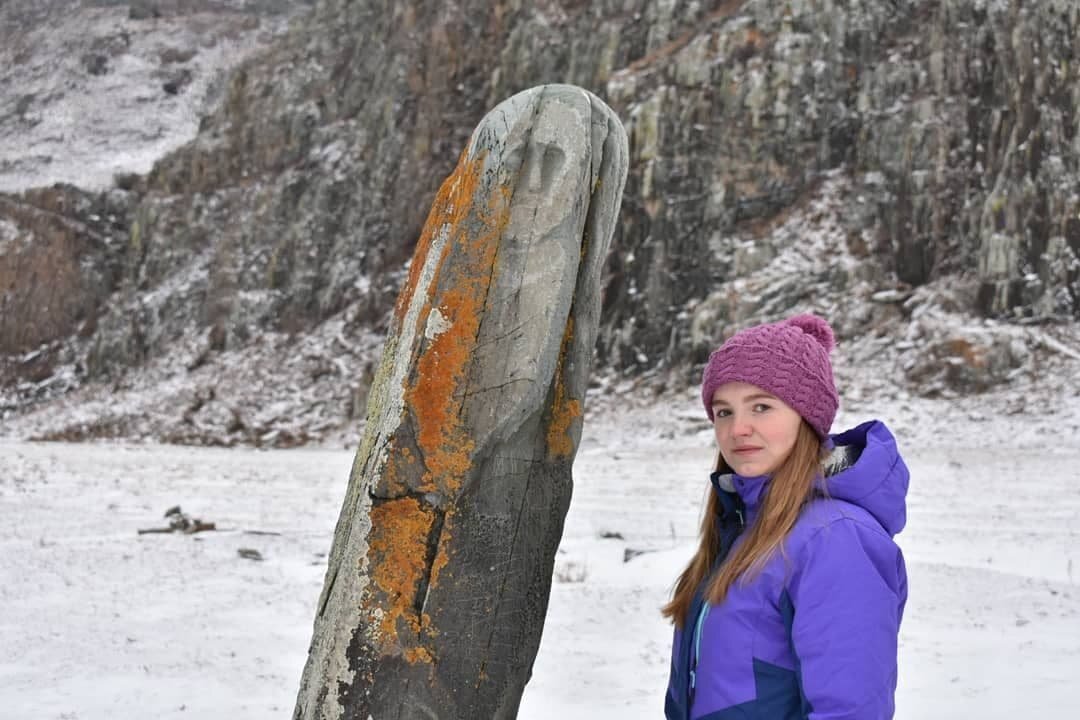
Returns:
<point x="672" y="706"/>
<point x="848" y="588"/>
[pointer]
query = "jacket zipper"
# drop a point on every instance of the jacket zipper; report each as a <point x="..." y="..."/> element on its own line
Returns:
<point x="697" y="644"/>
<point x="695" y="648"/>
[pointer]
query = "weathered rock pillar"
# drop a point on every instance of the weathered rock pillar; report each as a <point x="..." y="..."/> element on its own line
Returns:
<point x="441" y="567"/>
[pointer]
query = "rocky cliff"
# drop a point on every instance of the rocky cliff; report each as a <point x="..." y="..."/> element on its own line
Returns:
<point x="907" y="168"/>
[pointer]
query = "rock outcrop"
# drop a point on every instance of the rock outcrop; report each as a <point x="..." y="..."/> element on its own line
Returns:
<point x="868" y="161"/>
<point x="441" y="567"/>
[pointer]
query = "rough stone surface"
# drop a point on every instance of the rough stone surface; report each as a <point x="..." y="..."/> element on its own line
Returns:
<point x="438" y="581"/>
<point x="867" y="160"/>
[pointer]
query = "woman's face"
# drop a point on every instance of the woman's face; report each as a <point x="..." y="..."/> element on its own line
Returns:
<point x="755" y="430"/>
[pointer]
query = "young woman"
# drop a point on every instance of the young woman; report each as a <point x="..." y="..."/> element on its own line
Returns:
<point x="791" y="606"/>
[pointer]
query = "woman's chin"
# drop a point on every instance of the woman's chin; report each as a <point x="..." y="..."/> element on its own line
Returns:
<point x="750" y="468"/>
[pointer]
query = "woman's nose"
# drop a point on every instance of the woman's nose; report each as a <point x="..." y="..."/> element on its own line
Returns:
<point x="740" y="427"/>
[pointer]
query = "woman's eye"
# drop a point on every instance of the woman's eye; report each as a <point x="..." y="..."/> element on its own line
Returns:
<point x="721" y="413"/>
<point x="761" y="407"/>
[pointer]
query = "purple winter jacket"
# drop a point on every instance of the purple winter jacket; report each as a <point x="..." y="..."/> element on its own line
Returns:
<point x="814" y="634"/>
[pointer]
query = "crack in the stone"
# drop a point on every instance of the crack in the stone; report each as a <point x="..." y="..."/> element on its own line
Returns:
<point x="431" y="552"/>
<point x="500" y="386"/>
<point x="329" y="591"/>
<point x="508" y="333"/>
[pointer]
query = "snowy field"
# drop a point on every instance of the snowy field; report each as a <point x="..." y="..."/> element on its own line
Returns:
<point x="100" y="622"/>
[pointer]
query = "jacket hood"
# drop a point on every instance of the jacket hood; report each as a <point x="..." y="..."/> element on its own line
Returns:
<point x="876" y="478"/>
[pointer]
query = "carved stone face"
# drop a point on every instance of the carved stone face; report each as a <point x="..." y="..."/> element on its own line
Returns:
<point x="539" y="155"/>
<point x="545" y="168"/>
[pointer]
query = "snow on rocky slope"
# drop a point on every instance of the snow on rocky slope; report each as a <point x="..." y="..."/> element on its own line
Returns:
<point x="94" y="88"/>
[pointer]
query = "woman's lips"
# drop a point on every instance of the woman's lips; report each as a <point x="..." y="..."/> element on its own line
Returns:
<point x="746" y="450"/>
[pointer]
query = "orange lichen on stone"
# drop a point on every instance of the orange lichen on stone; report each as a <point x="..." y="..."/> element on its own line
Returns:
<point x="397" y="556"/>
<point x="443" y="211"/>
<point x="418" y="655"/>
<point x="465" y="271"/>
<point x="441" y="369"/>
<point x="564" y="409"/>
<point x="472" y="219"/>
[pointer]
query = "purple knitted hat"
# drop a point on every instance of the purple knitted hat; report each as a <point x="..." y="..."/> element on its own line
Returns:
<point x="789" y="359"/>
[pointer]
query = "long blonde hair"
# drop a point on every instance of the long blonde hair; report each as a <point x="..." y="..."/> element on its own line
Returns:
<point x="791" y="487"/>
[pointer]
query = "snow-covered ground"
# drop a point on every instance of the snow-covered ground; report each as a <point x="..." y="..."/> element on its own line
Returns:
<point x="100" y="622"/>
<point x="83" y="82"/>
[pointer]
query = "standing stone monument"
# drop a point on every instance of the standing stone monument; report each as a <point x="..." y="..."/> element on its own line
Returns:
<point x="441" y="567"/>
